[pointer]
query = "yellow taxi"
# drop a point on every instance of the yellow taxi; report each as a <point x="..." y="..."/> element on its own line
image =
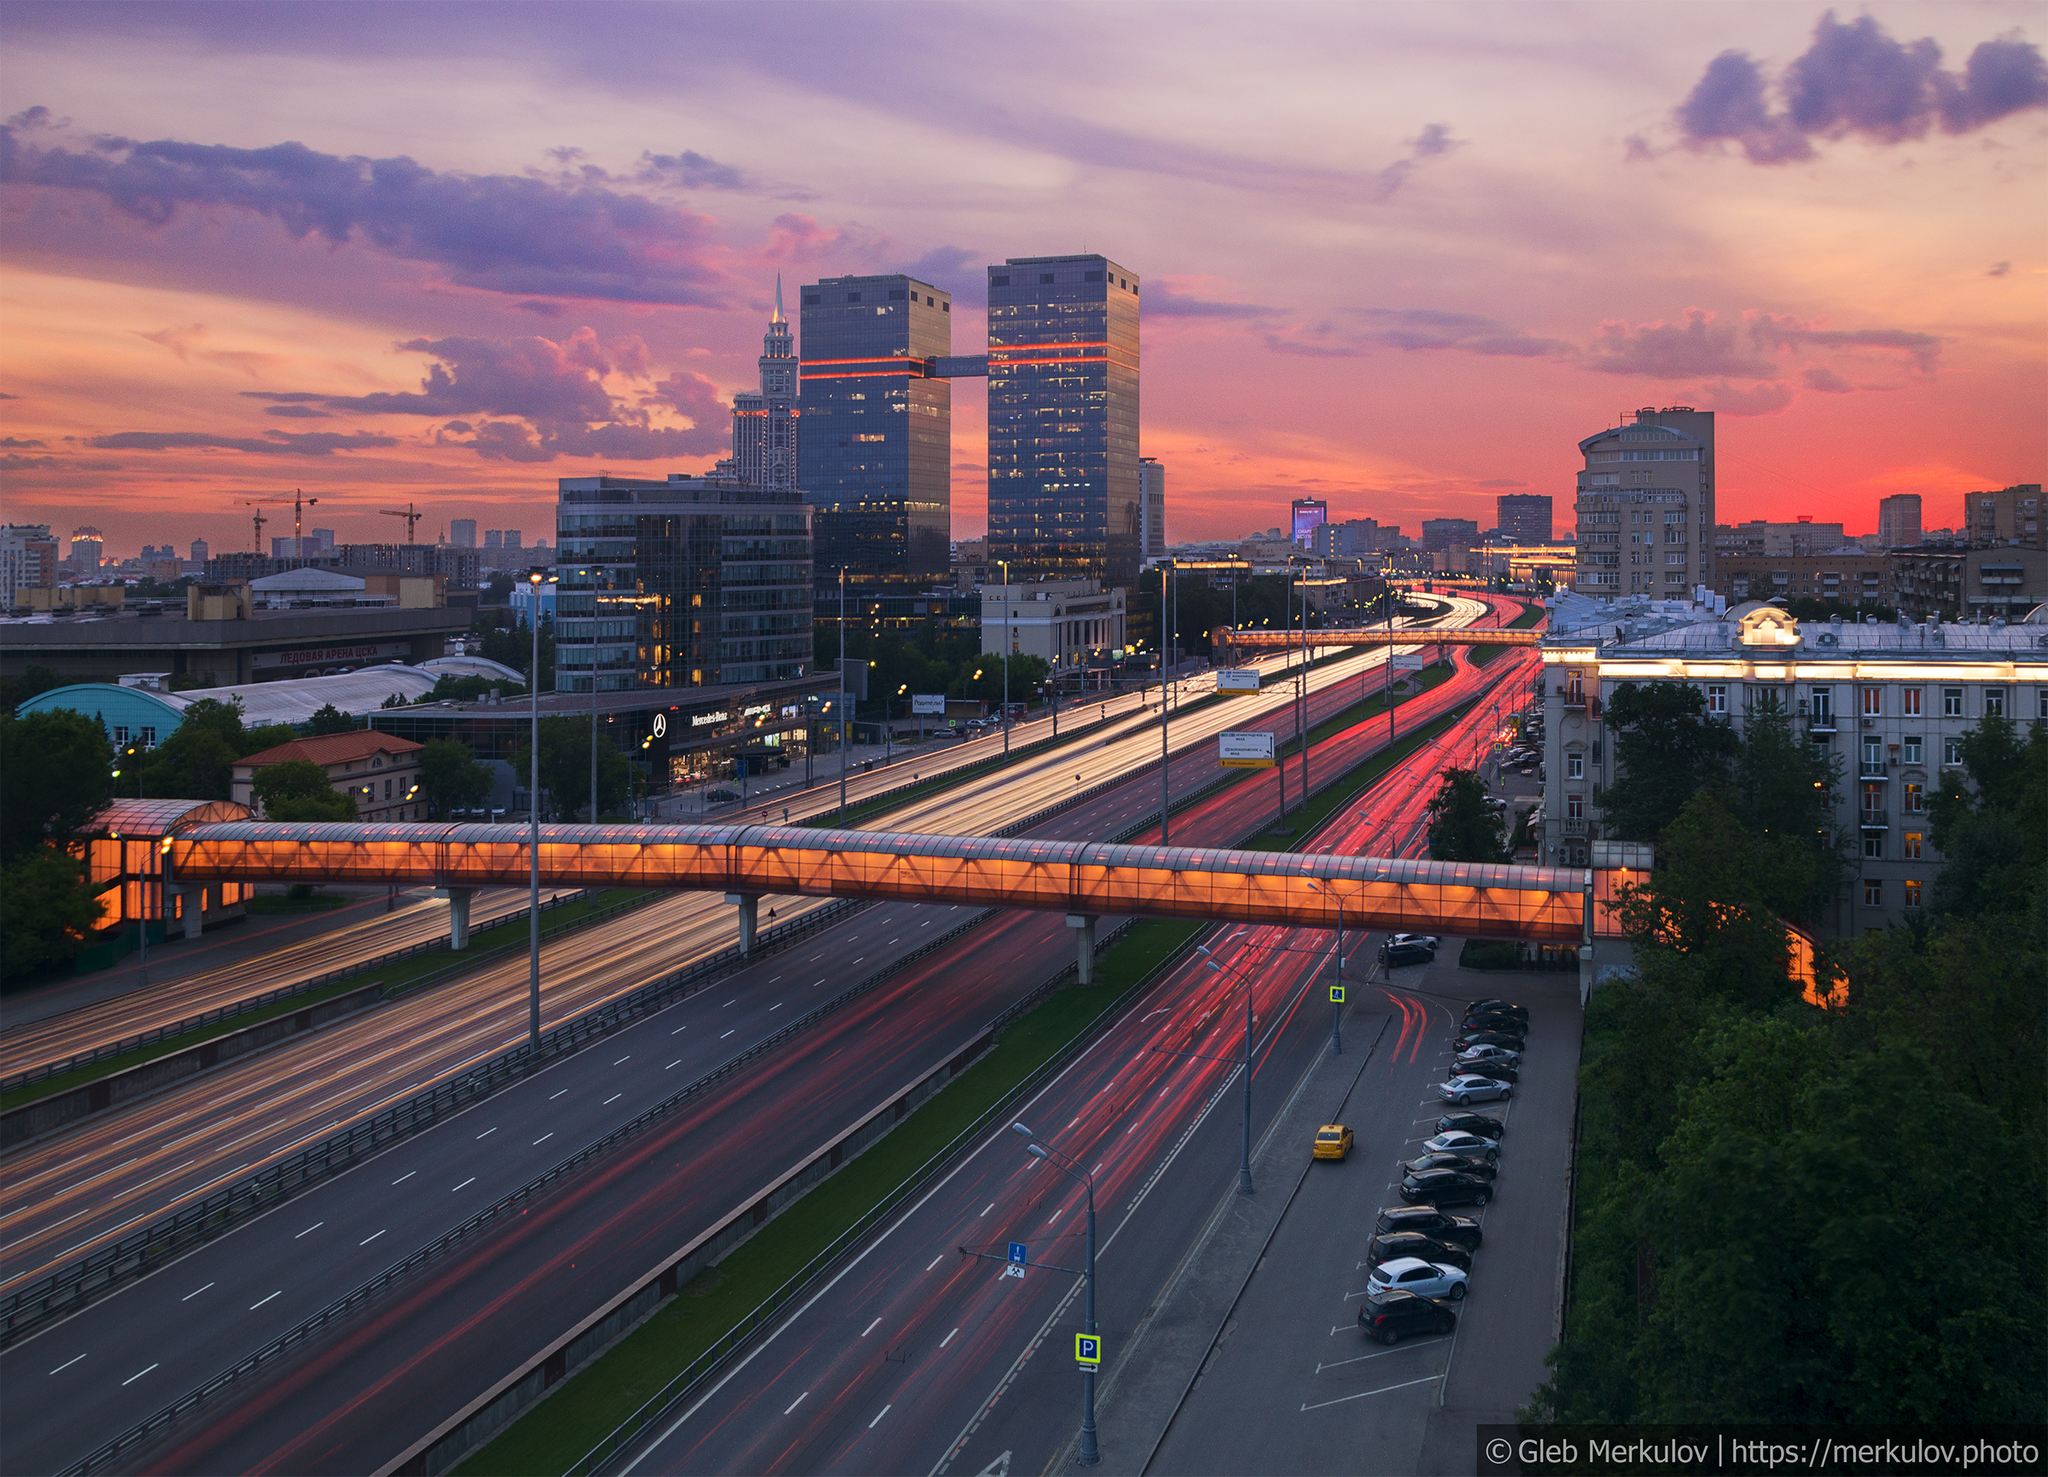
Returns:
<point x="1333" y="1141"/>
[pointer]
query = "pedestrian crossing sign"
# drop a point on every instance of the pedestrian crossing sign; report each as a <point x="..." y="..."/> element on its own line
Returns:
<point x="1088" y="1351"/>
<point x="1336" y="994"/>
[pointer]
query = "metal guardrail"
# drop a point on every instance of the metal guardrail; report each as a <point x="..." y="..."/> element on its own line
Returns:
<point x="257" y="1002"/>
<point x="91" y="1277"/>
<point x="340" y="1307"/>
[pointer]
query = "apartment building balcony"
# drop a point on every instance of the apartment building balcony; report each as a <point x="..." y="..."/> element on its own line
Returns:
<point x="1874" y="820"/>
<point x="1575" y="827"/>
<point x="1873" y="770"/>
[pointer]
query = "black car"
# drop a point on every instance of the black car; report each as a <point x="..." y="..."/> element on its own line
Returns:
<point x="1393" y="955"/>
<point x="1413" y="1243"/>
<point x="1493" y="1020"/>
<point x="1477" y="1168"/>
<point x="1479" y="1123"/>
<point x="1445" y="1187"/>
<point x="1427" y="1220"/>
<point x="1387" y="1315"/>
<point x="1512" y="1040"/>
<point x="1497" y="1007"/>
<point x="1498" y="1071"/>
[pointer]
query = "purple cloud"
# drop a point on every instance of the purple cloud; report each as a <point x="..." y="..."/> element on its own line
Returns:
<point x="1163" y="301"/>
<point x="500" y="233"/>
<point x="1759" y="399"/>
<point x="1820" y="377"/>
<point x="1434" y="140"/>
<point x="18" y="444"/>
<point x="299" y="412"/>
<point x="1361" y="331"/>
<point x="1855" y="79"/>
<point x="692" y="171"/>
<point x="531" y="377"/>
<point x="1675" y="350"/>
<point x="1781" y="331"/>
<point x="14" y="461"/>
<point x="271" y="443"/>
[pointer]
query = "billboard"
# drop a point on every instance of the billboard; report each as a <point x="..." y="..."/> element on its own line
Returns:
<point x="927" y="704"/>
<point x="1245" y="750"/>
<point x="1308" y="514"/>
<point x="1237" y="679"/>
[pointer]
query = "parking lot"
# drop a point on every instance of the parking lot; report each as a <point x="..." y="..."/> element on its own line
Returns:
<point x="1307" y="1391"/>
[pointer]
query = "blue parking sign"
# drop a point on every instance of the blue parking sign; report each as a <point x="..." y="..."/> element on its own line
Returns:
<point x="1017" y="1257"/>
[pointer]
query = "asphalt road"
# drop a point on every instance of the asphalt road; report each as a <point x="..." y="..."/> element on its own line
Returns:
<point x="67" y="1195"/>
<point x="475" y="1316"/>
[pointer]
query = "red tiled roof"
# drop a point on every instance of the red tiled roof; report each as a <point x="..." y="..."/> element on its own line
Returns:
<point x="333" y="748"/>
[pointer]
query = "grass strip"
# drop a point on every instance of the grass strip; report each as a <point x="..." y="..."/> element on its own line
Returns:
<point x="401" y="974"/>
<point x="548" y="1438"/>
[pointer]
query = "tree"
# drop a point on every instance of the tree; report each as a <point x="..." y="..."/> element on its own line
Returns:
<point x="984" y="679"/>
<point x="449" y="687"/>
<point x="451" y="779"/>
<point x="565" y="769"/>
<point x="1783" y="793"/>
<point x="53" y="778"/>
<point x="1993" y="832"/>
<point x="329" y="719"/>
<point x="300" y="790"/>
<point x="1462" y="826"/>
<point x="514" y="648"/>
<point x="33" y="682"/>
<point x="47" y="912"/>
<point x="1667" y="748"/>
<point x="197" y="762"/>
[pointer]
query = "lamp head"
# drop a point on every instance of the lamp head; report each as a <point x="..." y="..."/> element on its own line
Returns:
<point x="1034" y="1151"/>
<point x="1020" y="1128"/>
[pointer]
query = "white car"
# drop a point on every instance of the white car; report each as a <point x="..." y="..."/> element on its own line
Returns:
<point x="1475" y="1058"/>
<point x="1470" y="1145"/>
<point x="1412" y="1274"/>
<point x="1470" y="1088"/>
<point x="1427" y="940"/>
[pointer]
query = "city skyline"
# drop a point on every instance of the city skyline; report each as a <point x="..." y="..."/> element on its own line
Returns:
<point x="1841" y="266"/>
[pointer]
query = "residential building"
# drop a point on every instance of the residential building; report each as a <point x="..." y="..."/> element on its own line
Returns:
<point x="1898" y="521"/>
<point x="1063" y="481"/>
<point x="200" y="551"/>
<point x="28" y="560"/>
<point x="875" y="457"/>
<point x="512" y="537"/>
<point x="462" y="533"/>
<point x="379" y="771"/>
<point x="1645" y="505"/>
<point x="1851" y="573"/>
<point x="1890" y="701"/>
<point x="2011" y="515"/>
<point x="1354" y="538"/>
<point x="1950" y="582"/>
<point x="1068" y="624"/>
<point x="87" y="549"/>
<point x="494" y="538"/>
<point x="1524" y="518"/>
<point x="1442" y="534"/>
<point x="1305" y="516"/>
<point x="688" y="582"/>
<point x="460" y="567"/>
<point x="1761" y="539"/>
<point x="764" y="421"/>
<point x="1152" y="513"/>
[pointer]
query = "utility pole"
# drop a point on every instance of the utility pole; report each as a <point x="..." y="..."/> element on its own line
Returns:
<point x="1165" y="577"/>
<point x="839" y="713"/>
<point x="534" y="577"/>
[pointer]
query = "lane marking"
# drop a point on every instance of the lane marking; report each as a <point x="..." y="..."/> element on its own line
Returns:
<point x="935" y="1261"/>
<point x="776" y="1006"/>
<point x="69" y="1362"/>
<point x="310" y="1229"/>
<point x="1362" y="1394"/>
<point x="371" y="1237"/>
<point x="141" y="1372"/>
<point x="728" y="1002"/>
<point x="254" y="1306"/>
<point x="869" y="1329"/>
<point x="991" y="1206"/>
<point x="544" y="1137"/>
<point x="871" y="1424"/>
<point x="1381" y="1354"/>
<point x="610" y="1100"/>
<point x="185" y="1299"/>
<point x="728" y="1033"/>
<point x="947" y="1339"/>
<point x="796" y="1402"/>
<point x="673" y="1065"/>
<point x="488" y="1132"/>
<point x="465" y="1184"/>
<point x="623" y="1060"/>
<point x="556" y="1095"/>
<point x="679" y="1030"/>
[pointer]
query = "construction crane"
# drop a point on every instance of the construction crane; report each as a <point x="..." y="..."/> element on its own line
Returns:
<point x="299" y="501"/>
<point x="409" y="513"/>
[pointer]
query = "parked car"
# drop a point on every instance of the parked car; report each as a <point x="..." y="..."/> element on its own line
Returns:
<point x="1475" y="1058"/>
<point x="1387" y="1315"/>
<point x="1413" y="1243"/>
<point x="1427" y="1220"/>
<point x="1412" y="1274"/>
<point x="1333" y="1141"/>
<point x="1396" y="955"/>
<point x="1513" y="1040"/>
<point x="1470" y="1145"/>
<point x="1428" y="939"/>
<point x="1473" y="1123"/>
<point x="1477" y="1165"/>
<point x="721" y="797"/>
<point x="1497" y="1007"/>
<point x="1499" y="1070"/>
<point x="1493" y="1020"/>
<point x="1471" y="1088"/>
<point x="1445" y="1187"/>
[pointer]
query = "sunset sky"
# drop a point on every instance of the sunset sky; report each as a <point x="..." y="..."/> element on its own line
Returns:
<point x="1400" y="256"/>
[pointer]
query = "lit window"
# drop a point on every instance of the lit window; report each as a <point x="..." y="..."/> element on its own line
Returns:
<point x="1912" y="892"/>
<point x="1913" y="846"/>
<point x="1575" y="807"/>
<point x="1912" y="799"/>
<point x="1873" y="894"/>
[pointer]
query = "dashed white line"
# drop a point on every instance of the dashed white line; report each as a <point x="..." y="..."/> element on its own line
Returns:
<point x="553" y="1096"/>
<point x="673" y="1065"/>
<point x="310" y="1229"/>
<point x="141" y="1372"/>
<point x="871" y="1424"/>
<point x="186" y="1298"/>
<point x="371" y="1237"/>
<point x="869" y="1329"/>
<point x="728" y="1002"/>
<point x="465" y="1184"/>
<point x="610" y="1100"/>
<point x="544" y="1137"/>
<point x="254" y="1306"/>
<point x="991" y="1206"/>
<point x="796" y="1402"/>
<point x="936" y="1260"/>
<point x="404" y="1177"/>
<point x="728" y="1033"/>
<point x="69" y="1362"/>
<point x="679" y="1030"/>
<point x="947" y="1339"/>
<point x="488" y="1132"/>
<point x="776" y="1006"/>
<point x="623" y="1060"/>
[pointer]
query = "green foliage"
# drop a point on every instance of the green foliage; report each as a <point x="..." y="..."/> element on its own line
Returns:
<point x="33" y="682"/>
<point x="1783" y="793"/>
<point x="514" y="648"/>
<point x="329" y="719"/>
<point x="451" y="779"/>
<point x="1462" y="826"/>
<point x="565" y="769"/>
<point x="190" y="681"/>
<point x="197" y="762"/>
<point x="1993" y="833"/>
<point x="299" y="790"/>
<point x="449" y="687"/>
<point x="984" y="679"/>
<point x="1667" y="748"/>
<point x="53" y="777"/>
<point x="47" y="912"/>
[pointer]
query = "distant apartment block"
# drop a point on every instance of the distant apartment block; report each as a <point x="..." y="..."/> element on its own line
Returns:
<point x="2011" y="515"/>
<point x="1524" y="518"/>
<point x="28" y="559"/>
<point x="1152" y="511"/>
<point x="1898" y="521"/>
<point x="1645" y="506"/>
<point x="1439" y="535"/>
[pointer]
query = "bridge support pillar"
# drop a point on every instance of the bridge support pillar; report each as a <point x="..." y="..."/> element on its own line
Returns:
<point x="458" y="914"/>
<point x="749" y="904"/>
<point x="1084" y="941"/>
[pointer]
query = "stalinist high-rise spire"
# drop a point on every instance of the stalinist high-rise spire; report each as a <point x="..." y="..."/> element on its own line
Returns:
<point x="764" y="424"/>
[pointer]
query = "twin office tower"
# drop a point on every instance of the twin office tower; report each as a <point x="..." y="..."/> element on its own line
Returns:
<point x="872" y="427"/>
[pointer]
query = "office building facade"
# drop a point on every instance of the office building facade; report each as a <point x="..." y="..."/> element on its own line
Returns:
<point x="1898" y="521"/>
<point x="688" y="582"/>
<point x="1064" y="498"/>
<point x="1439" y="534"/>
<point x="1152" y="513"/>
<point x="1523" y="518"/>
<point x="461" y="533"/>
<point x="764" y="421"/>
<point x="875" y="457"/>
<point x="1644" y="512"/>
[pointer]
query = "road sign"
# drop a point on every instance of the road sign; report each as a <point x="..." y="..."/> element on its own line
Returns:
<point x="1235" y="679"/>
<point x="1017" y="1260"/>
<point x="1245" y="750"/>
<point x="1336" y="994"/>
<point x="1088" y="1351"/>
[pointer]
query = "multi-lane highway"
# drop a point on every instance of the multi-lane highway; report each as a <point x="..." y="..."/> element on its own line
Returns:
<point x="70" y="1194"/>
<point x="466" y="1321"/>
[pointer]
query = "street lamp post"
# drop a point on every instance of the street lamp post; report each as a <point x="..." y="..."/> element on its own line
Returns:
<point x="1244" y="1166"/>
<point x="1090" y="1453"/>
<point x="534" y="578"/>
<point x="593" y="696"/>
<point x="1336" y="1010"/>
<point x="839" y="713"/>
<point x="1004" y="565"/>
<point x="1165" y="581"/>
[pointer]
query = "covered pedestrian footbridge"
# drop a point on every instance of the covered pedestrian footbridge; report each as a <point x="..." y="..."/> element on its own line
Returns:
<point x="1378" y="636"/>
<point x="1082" y="879"/>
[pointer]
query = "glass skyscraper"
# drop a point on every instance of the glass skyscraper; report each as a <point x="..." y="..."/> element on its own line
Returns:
<point x="1064" y="496"/>
<point x="874" y="457"/>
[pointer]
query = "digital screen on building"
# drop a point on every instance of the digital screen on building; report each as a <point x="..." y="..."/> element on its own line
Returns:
<point x="1308" y="517"/>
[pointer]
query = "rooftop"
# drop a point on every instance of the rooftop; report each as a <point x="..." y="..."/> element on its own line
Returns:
<point x="331" y="748"/>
